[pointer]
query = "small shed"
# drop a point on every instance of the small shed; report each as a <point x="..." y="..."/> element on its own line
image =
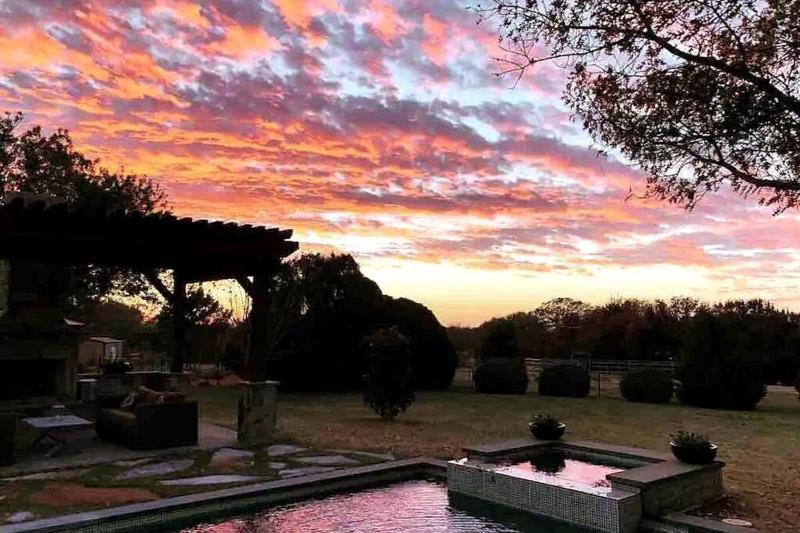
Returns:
<point x="95" y="351"/>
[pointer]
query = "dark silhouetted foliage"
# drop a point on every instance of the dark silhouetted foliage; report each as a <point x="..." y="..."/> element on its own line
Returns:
<point x="433" y="358"/>
<point x="500" y="341"/>
<point x="323" y="307"/>
<point x="388" y="388"/>
<point x="701" y="95"/>
<point x="647" y="385"/>
<point x="327" y="307"/>
<point x="719" y="367"/>
<point x="501" y="376"/>
<point x="48" y="165"/>
<point x="564" y="380"/>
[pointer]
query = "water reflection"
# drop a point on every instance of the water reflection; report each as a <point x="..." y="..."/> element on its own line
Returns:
<point x="557" y="468"/>
<point x="408" y="507"/>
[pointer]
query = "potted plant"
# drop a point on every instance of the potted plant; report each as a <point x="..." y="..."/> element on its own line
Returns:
<point x="546" y="427"/>
<point x="693" y="448"/>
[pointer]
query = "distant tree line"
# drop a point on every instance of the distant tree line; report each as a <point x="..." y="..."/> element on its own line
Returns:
<point x="658" y="330"/>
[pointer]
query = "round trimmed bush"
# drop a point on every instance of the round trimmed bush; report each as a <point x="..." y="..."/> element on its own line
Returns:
<point x="501" y="376"/>
<point x="648" y="385"/>
<point x="564" y="380"/>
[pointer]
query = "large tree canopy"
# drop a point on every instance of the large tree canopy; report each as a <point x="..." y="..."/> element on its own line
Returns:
<point x="34" y="163"/>
<point x="324" y="307"/>
<point x="698" y="93"/>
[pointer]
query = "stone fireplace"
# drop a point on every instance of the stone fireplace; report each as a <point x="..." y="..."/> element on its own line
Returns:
<point x="37" y="366"/>
<point x="38" y="347"/>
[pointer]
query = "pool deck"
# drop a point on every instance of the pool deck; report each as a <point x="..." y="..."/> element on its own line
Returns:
<point x="90" y="451"/>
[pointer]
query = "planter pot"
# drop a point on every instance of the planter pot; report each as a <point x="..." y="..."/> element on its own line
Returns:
<point x="695" y="456"/>
<point x="547" y="432"/>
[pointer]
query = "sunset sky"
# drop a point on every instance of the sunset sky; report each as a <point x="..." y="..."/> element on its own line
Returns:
<point x="376" y="127"/>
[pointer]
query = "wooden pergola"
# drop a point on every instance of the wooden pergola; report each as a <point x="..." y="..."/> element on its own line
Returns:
<point x="194" y="250"/>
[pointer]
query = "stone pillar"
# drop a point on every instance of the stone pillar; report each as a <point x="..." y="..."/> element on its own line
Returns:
<point x="258" y="343"/>
<point x="178" y="323"/>
<point x="257" y="411"/>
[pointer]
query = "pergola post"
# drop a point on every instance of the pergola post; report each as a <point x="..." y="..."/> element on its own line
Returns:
<point x="179" y="309"/>
<point x="259" y="322"/>
<point x="258" y="402"/>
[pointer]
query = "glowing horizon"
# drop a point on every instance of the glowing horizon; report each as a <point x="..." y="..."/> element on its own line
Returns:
<point x="378" y="129"/>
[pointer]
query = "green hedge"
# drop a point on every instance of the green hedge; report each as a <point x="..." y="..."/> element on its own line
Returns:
<point x="647" y="385"/>
<point x="564" y="380"/>
<point x="501" y="376"/>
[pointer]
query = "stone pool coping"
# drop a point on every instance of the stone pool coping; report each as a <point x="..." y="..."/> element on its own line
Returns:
<point x="528" y="445"/>
<point x="235" y="500"/>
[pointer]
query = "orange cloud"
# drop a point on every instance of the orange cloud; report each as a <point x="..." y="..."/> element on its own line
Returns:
<point x="241" y="42"/>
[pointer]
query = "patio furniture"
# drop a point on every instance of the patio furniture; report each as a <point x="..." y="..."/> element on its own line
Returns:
<point x="150" y="425"/>
<point x="56" y="428"/>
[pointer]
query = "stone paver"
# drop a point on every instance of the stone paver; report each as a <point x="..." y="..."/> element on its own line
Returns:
<point x="327" y="460"/>
<point x="232" y="457"/>
<point x="277" y="450"/>
<point x="276" y="465"/>
<point x="21" y="516"/>
<point x="157" y="469"/>
<point x="295" y="472"/>
<point x="208" y="480"/>
<point x="133" y="462"/>
<point x="737" y="522"/>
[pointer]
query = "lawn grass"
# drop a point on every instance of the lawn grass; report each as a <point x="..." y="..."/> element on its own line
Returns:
<point x="761" y="447"/>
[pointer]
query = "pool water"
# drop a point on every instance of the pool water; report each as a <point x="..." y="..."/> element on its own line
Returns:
<point x="556" y="467"/>
<point x="420" y="506"/>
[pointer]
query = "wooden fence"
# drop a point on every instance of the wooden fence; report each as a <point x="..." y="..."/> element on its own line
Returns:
<point x="598" y="366"/>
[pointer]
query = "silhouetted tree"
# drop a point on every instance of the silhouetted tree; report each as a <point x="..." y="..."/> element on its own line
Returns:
<point x="433" y="358"/>
<point x="697" y="93"/>
<point x="718" y="367"/>
<point x="388" y="387"/>
<point x="323" y="307"/>
<point x="115" y="319"/>
<point x="206" y="322"/>
<point x="500" y="341"/>
<point x="333" y="307"/>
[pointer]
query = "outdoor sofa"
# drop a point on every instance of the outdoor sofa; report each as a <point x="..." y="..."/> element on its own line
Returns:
<point x="162" y="422"/>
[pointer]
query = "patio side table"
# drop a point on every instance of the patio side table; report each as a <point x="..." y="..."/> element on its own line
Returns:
<point x="57" y="429"/>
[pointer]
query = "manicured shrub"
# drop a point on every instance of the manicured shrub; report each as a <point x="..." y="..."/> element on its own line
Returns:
<point x="564" y="380"/>
<point x="648" y="385"/>
<point x="716" y="370"/>
<point x="388" y="379"/>
<point x="501" y="376"/>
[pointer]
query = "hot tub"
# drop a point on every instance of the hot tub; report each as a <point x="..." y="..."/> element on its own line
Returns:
<point x="602" y="487"/>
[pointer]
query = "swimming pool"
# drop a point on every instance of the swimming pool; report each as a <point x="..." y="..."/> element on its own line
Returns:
<point x="414" y="506"/>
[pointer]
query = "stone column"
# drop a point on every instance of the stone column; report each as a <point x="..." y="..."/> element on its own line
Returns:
<point x="257" y="411"/>
<point x="178" y="323"/>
